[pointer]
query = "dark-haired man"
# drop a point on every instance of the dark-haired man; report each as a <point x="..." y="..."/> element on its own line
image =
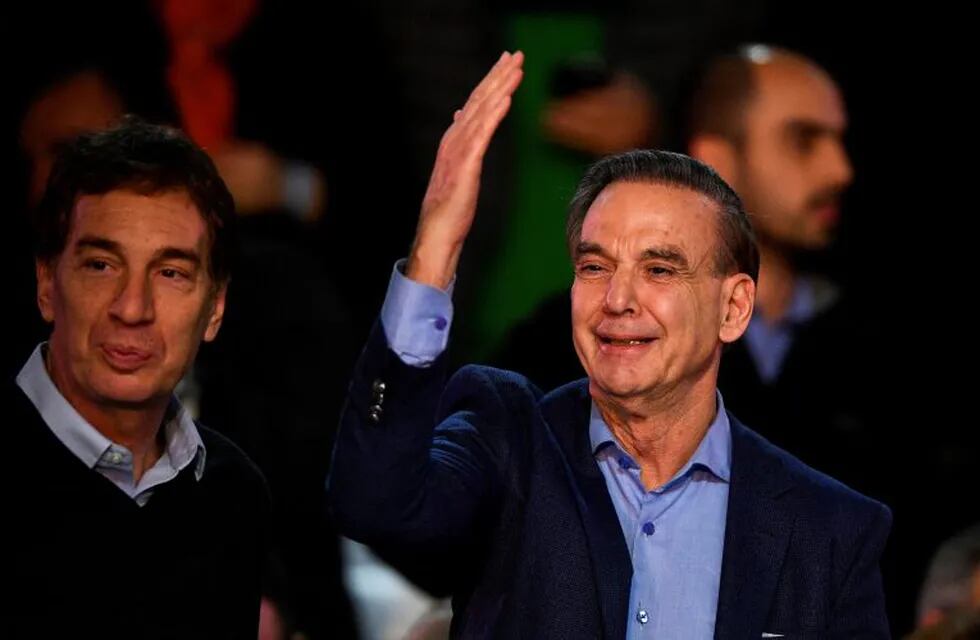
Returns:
<point x="126" y="518"/>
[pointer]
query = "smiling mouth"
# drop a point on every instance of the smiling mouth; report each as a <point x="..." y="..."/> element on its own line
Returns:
<point x="624" y="342"/>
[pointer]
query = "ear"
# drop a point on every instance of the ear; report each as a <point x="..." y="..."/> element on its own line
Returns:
<point x="718" y="153"/>
<point x="217" y="313"/>
<point x="738" y="300"/>
<point x="44" y="269"/>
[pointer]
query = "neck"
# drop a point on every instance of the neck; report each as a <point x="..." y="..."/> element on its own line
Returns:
<point x="136" y="428"/>
<point x="661" y="434"/>
<point x="777" y="279"/>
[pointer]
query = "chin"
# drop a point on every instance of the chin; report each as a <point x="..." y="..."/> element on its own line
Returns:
<point x="134" y="393"/>
<point x="618" y="387"/>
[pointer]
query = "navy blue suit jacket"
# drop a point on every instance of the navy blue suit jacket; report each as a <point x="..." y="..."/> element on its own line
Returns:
<point x="486" y="489"/>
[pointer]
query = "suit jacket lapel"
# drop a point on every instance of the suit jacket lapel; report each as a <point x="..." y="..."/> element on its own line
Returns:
<point x="757" y="534"/>
<point x="566" y="415"/>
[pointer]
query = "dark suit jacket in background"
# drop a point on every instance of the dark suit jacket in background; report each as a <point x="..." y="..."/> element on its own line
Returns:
<point x="503" y="506"/>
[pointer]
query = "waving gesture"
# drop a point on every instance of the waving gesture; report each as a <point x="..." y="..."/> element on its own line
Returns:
<point x="450" y="199"/>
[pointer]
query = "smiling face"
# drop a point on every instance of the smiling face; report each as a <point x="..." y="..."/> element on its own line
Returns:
<point x="650" y="310"/>
<point x="130" y="297"/>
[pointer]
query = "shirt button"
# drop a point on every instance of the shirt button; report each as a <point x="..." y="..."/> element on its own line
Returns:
<point x="642" y="617"/>
<point x="114" y="458"/>
<point x="440" y="323"/>
<point x="649" y="528"/>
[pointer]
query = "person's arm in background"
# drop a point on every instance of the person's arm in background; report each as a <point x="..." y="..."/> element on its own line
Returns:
<point x="261" y="181"/>
<point x="401" y="477"/>
<point x="618" y="115"/>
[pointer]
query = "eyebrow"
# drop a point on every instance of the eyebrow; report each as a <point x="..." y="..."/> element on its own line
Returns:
<point x="111" y="246"/>
<point x="811" y="128"/>
<point x="667" y="253"/>
<point x="174" y="253"/>
<point x="589" y="248"/>
<point x="95" y="242"/>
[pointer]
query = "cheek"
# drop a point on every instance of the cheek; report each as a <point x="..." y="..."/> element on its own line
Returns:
<point x="776" y="185"/>
<point x="183" y="325"/>
<point x="787" y="189"/>
<point x="581" y="316"/>
<point x="679" y="311"/>
<point x="662" y="302"/>
<point x="707" y="317"/>
<point x="580" y="331"/>
<point x="76" y="312"/>
<point x="583" y="304"/>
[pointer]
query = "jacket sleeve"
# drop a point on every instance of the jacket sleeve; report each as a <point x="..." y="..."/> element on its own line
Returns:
<point x="418" y="466"/>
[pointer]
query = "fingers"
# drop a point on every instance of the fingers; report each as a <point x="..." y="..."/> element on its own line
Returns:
<point x="449" y="205"/>
<point x="486" y="117"/>
<point x="492" y="81"/>
<point x="474" y="125"/>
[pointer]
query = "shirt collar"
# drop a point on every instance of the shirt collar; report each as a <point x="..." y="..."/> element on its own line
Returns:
<point x="182" y="439"/>
<point x="714" y="452"/>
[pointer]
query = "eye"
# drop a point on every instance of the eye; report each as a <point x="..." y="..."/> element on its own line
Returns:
<point x="173" y="274"/>
<point x="589" y="269"/>
<point x="96" y="264"/>
<point x="805" y="144"/>
<point x="805" y="140"/>
<point x="660" y="271"/>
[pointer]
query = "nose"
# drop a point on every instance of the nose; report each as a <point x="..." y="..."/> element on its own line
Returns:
<point x="133" y="303"/>
<point x="620" y="293"/>
<point x="836" y="164"/>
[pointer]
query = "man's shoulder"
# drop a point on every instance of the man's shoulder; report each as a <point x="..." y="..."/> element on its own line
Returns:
<point x="492" y="379"/>
<point x="815" y="493"/>
<point x="225" y="462"/>
<point x="489" y="391"/>
<point x="512" y="387"/>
